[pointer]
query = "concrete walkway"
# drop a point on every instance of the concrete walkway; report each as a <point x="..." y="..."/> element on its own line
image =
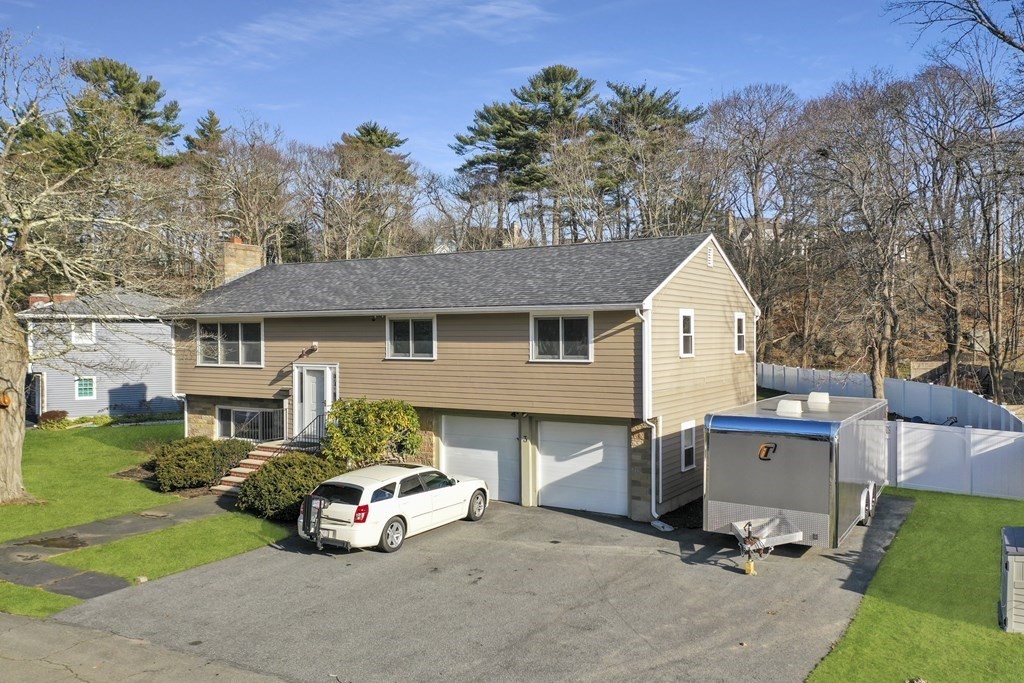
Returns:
<point x="38" y="650"/>
<point x="24" y="561"/>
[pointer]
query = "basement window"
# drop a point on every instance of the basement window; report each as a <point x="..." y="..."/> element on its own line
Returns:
<point x="688" y="445"/>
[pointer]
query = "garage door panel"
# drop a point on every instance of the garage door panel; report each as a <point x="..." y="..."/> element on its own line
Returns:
<point x="485" y="448"/>
<point x="584" y="467"/>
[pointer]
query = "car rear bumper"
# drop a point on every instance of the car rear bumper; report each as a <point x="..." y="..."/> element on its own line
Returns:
<point x="346" y="536"/>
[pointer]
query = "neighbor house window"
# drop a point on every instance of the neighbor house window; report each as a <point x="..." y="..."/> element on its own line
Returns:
<point x="741" y="333"/>
<point x="231" y="344"/>
<point x="83" y="333"/>
<point x="85" y="388"/>
<point x="686" y="333"/>
<point x="688" y="444"/>
<point x="411" y="338"/>
<point x="562" y="338"/>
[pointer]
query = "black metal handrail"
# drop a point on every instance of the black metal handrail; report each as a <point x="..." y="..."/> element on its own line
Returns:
<point x="310" y="436"/>
<point x="264" y="425"/>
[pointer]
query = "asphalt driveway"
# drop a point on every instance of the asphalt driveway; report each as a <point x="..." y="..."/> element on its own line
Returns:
<point x="525" y="594"/>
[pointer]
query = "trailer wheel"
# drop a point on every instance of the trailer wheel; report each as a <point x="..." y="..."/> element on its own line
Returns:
<point x="866" y="508"/>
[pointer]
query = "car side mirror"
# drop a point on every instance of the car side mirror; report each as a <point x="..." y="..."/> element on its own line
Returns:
<point x="451" y="481"/>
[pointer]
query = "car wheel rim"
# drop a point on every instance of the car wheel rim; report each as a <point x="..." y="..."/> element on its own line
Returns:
<point x="394" y="535"/>
<point x="478" y="505"/>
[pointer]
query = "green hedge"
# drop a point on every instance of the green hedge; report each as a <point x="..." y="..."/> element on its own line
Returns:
<point x="197" y="461"/>
<point x="362" y="432"/>
<point x="276" y="489"/>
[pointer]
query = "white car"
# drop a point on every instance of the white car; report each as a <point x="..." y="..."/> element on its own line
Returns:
<point x="381" y="505"/>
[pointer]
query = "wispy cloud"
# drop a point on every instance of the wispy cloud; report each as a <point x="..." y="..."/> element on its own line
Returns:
<point x="266" y="40"/>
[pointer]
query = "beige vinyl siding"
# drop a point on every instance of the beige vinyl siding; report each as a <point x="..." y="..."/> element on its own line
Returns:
<point x="716" y="377"/>
<point x="482" y="364"/>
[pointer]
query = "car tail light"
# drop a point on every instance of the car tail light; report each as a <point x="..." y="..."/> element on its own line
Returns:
<point x="362" y="512"/>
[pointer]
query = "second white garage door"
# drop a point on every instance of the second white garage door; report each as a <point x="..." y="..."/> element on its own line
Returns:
<point x="486" y="448"/>
<point x="583" y="467"/>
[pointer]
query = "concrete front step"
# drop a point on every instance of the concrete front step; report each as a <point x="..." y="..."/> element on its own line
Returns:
<point x="243" y="472"/>
<point x="232" y="480"/>
<point x="225" y="490"/>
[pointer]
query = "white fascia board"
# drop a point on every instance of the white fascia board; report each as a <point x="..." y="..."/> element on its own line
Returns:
<point x="409" y="311"/>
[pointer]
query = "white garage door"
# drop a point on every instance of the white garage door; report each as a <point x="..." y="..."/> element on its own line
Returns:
<point x="486" y="448"/>
<point x="584" y="467"/>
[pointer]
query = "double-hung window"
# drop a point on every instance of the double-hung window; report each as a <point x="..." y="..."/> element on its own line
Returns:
<point x="741" y="333"/>
<point x="688" y="445"/>
<point x="412" y="338"/>
<point x="83" y="332"/>
<point x="562" y="338"/>
<point x="686" y="348"/>
<point x="231" y="344"/>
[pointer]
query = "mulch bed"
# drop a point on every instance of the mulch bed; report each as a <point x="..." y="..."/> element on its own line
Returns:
<point x="145" y="475"/>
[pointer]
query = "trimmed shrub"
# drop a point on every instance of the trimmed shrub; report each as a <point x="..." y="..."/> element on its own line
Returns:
<point x="185" y="463"/>
<point x="362" y="432"/>
<point x="53" y="419"/>
<point x="197" y="461"/>
<point x="53" y="416"/>
<point x="229" y="453"/>
<point x="276" y="489"/>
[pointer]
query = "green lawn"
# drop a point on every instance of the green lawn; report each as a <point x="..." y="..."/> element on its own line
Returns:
<point x="930" y="611"/>
<point x="32" y="602"/>
<point x="69" y="473"/>
<point x="177" y="548"/>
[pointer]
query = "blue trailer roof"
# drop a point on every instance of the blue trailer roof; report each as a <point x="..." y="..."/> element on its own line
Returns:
<point x="771" y="425"/>
<point x="762" y="416"/>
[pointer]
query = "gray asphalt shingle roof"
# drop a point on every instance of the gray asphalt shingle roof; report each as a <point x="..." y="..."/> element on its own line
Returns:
<point x="599" y="273"/>
<point x="117" y="302"/>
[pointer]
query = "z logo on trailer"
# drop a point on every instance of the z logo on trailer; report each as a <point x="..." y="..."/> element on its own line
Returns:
<point x="766" y="450"/>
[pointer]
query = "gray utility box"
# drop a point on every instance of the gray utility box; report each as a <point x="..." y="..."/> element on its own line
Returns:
<point x="1011" y="603"/>
<point x="816" y="466"/>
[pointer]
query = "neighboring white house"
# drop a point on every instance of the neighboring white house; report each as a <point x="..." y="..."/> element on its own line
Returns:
<point x="109" y="353"/>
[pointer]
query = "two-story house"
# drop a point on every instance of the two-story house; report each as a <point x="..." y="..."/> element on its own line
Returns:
<point x="573" y="376"/>
<point x="101" y="354"/>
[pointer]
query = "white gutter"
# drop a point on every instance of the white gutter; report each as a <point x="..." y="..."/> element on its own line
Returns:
<point x="647" y="388"/>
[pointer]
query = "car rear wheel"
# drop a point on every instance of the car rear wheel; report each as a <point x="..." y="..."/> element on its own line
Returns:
<point x="393" y="536"/>
<point x="477" y="506"/>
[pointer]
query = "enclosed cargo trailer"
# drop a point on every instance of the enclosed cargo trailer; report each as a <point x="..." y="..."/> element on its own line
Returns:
<point x="802" y="469"/>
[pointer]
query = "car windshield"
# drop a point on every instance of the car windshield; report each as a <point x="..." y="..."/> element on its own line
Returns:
<point x="346" y="494"/>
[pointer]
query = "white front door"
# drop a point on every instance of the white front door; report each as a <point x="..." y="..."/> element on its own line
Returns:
<point x="314" y="393"/>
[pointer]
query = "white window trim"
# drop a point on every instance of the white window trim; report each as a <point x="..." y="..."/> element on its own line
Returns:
<point x="688" y="426"/>
<point x="387" y="337"/>
<point x="736" y="335"/>
<point x="569" y="314"/>
<point x="684" y="312"/>
<point x="85" y="398"/>
<point x="83" y="340"/>
<point x="239" y="364"/>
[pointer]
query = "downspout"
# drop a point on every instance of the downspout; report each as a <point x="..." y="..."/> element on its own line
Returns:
<point x="646" y="389"/>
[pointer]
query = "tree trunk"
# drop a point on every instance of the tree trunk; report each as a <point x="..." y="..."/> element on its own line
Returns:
<point x="13" y="368"/>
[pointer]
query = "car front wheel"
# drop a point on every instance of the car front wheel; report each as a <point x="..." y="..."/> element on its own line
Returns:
<point x="393" y="536"/>
<point x="477" y="506"/>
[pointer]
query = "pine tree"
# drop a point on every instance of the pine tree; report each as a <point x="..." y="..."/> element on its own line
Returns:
<point x="208" y="134"/>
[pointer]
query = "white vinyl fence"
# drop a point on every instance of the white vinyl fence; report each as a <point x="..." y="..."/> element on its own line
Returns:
<point x="980" y="462"/>
<point x="932" y="403"/>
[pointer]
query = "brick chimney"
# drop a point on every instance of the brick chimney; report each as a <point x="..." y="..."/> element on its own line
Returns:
<point x="236" y="259"/>
<point x="38" y="299"/>
<point x="63" y="297"/>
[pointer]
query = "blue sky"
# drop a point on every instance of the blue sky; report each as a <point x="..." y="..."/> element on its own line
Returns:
<point x="421" y="67"/>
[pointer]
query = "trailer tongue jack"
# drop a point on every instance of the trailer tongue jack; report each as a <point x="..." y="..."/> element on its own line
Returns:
<point x="760" y="536"/>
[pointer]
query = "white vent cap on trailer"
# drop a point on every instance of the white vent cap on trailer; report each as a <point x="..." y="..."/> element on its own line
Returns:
<point x="789" y="408"/>
<point x="817" y="401"/>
